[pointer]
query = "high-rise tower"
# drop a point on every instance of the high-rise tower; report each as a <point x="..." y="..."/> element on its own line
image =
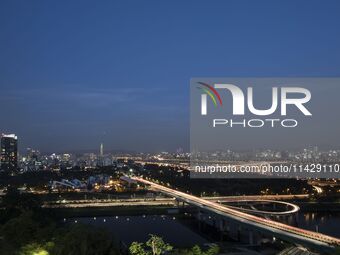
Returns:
<point x="9" y="152"/>
<point x="101" y="149"/>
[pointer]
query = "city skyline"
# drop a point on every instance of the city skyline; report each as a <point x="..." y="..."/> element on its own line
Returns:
<point x="192" y="127"/>
<point x="67" y="84"/>
<point x="100" y="148"/>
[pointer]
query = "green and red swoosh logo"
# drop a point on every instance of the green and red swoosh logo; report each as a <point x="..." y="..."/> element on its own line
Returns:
<point x="211" y="91"/>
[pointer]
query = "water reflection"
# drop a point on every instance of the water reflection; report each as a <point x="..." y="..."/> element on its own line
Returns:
<point x="138" y="228"/>
<point x="327" y="223"/>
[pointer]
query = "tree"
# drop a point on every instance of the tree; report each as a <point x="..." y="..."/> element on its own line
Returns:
<point x="20" y="231"/>
<point x="84" y="240"/>
<point x="21" y="201"/>
<point x="137" y="249"/>
<point x="36" y="249"/>
<point x="214" y="249"/>
<point x="16" y="203"/>
<point x="196" y="250"/>
<point x="157" y="245"/>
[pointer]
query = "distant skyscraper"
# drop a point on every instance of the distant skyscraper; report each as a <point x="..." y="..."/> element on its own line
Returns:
<point x="101" y="149"/>
<point x="9" y="152"/>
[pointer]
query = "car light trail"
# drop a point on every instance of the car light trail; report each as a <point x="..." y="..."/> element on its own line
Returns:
<point x="332" y="241"/>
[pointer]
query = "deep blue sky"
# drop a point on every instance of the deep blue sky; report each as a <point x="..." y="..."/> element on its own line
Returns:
<point x="75" y="73"/>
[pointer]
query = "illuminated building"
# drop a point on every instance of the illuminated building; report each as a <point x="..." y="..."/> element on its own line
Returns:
<point x="101" y="149"/>
<point x="9" y="152"/>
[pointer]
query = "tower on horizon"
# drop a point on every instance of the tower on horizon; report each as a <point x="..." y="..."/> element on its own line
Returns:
<point x="9" y="152"/>
<point x="101" y="149"/>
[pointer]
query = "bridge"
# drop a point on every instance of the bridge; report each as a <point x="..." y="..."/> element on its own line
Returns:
<point x="87" y="203"/>
<point x="293" y="208"/>
<point x="285" y="232"/>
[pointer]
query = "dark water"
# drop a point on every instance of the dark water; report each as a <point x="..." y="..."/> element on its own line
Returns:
<point x="138" y="228"/>
<point x="327" y="223"/>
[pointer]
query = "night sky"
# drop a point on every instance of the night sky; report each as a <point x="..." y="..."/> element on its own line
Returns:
<point x="74" y="74"/>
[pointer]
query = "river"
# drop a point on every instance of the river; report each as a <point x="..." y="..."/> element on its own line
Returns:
<point x="138" y="228"/>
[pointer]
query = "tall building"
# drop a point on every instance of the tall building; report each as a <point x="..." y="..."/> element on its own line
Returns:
<point x="101" y="149"/>
<point x="100" y="159"/>
<point x="9" y="152"/>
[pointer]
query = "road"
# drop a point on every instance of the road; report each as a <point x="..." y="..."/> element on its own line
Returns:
<point x="112" y="203"/>
<point x="257" y="197"/>
<point x="294" y="208"/>
<point x="284" y="231"/>
<point x="162" y="202"/>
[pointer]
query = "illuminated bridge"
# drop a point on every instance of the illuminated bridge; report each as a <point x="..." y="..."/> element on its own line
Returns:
<point x="292" y="207"/>
<point x="282" y="231"/>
